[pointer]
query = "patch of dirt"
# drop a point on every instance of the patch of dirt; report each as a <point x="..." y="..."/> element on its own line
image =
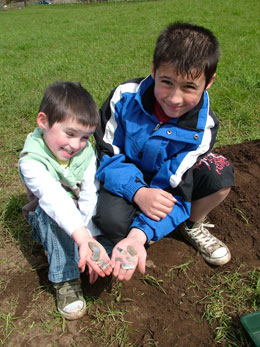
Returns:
<point x="167" y="312"/>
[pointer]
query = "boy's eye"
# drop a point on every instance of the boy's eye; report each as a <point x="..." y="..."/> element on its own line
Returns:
<point x="166" y="82"/>
<point x="85" y="138"/>
<point x="69" y="134"/>
<point x="190" y="86"/>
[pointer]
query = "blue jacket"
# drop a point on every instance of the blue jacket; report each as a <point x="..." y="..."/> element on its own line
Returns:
<point x="135" y="150"/>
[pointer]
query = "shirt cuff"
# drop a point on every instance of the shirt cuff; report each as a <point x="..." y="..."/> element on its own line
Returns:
<point x="132" y="187"/>
<point x="140" y="224"/>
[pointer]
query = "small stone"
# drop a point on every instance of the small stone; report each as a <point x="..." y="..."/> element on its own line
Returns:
<point x="96" y="251"/>
<point x="131" y="251"/>
<point x="150" y="264"/>
<point x="127" y="266"/>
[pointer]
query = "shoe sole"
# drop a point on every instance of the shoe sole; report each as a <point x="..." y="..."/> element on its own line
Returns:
<point x="73" y="316"/>
<point x="220" y="261"/>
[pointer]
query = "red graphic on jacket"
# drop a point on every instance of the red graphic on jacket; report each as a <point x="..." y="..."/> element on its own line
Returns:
<point x="218" y="160"/>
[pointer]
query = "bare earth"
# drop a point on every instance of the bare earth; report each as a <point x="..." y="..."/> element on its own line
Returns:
<point x="165" y="310"/>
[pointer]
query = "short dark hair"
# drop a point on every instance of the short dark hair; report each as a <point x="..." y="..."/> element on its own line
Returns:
<point x="67" y="99"/>
<point x="191" y="49"/>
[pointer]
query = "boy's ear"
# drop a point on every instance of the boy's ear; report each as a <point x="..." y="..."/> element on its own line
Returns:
<point x="42" y="120"/>
<point x="211" y="81"/>
<point x="152" y="71"/>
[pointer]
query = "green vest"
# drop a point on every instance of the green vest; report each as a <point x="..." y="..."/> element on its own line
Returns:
<point x="72" y="177"/>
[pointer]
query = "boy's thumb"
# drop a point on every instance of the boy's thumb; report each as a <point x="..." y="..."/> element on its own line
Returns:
<point x="81" y="265"/>
<point x="141" y="265"/>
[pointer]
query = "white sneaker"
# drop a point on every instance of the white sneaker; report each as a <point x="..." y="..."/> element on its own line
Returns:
<point x="212" y="249"/>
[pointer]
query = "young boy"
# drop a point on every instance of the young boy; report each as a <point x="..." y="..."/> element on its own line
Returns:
<point x="154" y="145"/>
<point x="58" y="166"/>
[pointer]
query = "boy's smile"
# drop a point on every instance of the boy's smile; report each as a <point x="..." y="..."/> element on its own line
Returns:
<point x="64" y="139"/>
<point x="176" y="94"/>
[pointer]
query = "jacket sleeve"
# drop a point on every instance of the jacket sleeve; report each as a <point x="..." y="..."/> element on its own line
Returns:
<point x="118" y="175"/>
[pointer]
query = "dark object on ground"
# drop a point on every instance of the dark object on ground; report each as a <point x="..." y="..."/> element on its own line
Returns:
<point x="45" y="2"/>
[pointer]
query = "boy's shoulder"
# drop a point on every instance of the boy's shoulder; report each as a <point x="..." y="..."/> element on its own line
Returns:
<point x="133" y="86"/>
<point x="136" y="80"/>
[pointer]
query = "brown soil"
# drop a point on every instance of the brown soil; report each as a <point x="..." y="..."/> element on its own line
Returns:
<point x="166" y="315"/>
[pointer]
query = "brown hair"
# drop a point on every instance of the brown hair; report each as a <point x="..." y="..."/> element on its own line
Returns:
<point x="190" y="49"/>
<point x="67" y="99"/>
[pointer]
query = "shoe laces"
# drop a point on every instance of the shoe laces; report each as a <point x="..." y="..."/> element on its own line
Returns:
<point x="201" y="235"/>
<point x="70" y="289"/>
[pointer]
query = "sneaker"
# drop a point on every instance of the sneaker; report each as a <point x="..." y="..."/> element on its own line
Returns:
<point x="70" y="301"/>
<point x="212" y="249"/>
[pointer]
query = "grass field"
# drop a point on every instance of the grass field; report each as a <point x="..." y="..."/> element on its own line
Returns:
<point x="102" y="44"/>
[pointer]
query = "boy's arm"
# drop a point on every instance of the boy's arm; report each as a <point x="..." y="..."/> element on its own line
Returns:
<point x="118" y="175"/>
<point x="88" y="197"/>
<point x="53" y="198"/>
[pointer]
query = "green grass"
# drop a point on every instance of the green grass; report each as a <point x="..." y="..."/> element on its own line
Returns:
<point x="101" y="45"/>
<point x="229" y="295"/>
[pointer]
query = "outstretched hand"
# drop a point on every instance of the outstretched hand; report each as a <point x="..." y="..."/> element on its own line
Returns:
<point x="128" y="254"/>
<point x="154" y="203"/>
<point x="92" y="254"/>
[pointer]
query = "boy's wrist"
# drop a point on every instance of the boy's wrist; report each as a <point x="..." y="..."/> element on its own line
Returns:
<point x="80" y="235"/>
<point x="137" y="194"/>
<point x="137" y="234"/>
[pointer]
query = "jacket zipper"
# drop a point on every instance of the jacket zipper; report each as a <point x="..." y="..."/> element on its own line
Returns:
<point x="157" y="127"/>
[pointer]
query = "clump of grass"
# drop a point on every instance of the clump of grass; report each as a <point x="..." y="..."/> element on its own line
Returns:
<point x="229" y="295"/>
<point x="7" y="326"/>
<point x="111" y="328"/>
<point x="152" y="281"/>
<point x="183" y="268"/>
<point x="13" y="222"/>
<point x="242" y="215"/>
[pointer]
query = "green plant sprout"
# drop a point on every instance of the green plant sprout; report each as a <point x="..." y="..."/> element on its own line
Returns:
<point x="152" y="281"/>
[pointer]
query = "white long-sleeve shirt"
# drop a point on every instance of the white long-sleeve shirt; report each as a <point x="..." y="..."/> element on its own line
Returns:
<point x="56" y="202"/>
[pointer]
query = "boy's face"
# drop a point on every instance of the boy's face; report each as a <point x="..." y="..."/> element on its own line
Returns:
<point x="64" y="139"/>
<point x="176" y="94"/>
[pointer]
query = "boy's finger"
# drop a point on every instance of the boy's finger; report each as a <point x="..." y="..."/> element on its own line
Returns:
<point x="81" y="265"/>
<point x="129" y="274"/>
<point x="117" y="267"/>
<point x="141" y="265"/>
<point x="122" y="274"/>
<point x="93" y="276"/>
<point x="168" y="195"/>
<point x="102" y="267"/>
<point x="108" y="270"/>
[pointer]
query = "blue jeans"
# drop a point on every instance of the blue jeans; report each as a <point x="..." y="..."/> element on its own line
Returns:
<point x="63" y="255"/>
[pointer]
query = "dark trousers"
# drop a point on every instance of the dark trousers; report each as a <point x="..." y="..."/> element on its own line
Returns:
<point x="114" y="214"/>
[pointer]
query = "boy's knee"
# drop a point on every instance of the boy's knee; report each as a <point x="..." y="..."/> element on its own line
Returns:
<point x="113" y="216"/>
<point x="223" y="193"/>
<point x="111" y="226"/>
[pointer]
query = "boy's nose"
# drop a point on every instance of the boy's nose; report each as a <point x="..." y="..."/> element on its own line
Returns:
<point x="75" y="143"/>
<point x="175" y="96"/>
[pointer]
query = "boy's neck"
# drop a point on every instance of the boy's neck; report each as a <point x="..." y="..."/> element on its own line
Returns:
<point x="63" y="164"/>
<point x="159" y="113"/>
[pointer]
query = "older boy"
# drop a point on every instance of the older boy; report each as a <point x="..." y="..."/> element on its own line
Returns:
<point x="154" y="145"/>
<point x="58" y="166"/>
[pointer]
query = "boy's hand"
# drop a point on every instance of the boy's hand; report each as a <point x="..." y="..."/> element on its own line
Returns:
<point x="128" y="254"/>
<point x="92" y="254"/>
<point x="154" y="203"/>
